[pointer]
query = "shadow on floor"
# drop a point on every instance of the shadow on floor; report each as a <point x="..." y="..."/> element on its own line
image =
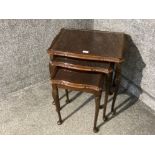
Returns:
<point x="72" y="99"/>
<point x="127" y="103"/>
<point x="61" y="97"/>
<point x="77" y="109"/>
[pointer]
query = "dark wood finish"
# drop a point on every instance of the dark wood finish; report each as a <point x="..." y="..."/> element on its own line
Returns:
<point x="86" y="81"/>
<point x="94" y="57"/>
<point x="67" y="96"/>
<point x="111" y="81"/>
<point x="57" y="103"/>
<point x="117" y="80"/>
<point x="106" y="96"/>
<point x="97" y="107"/>
<point x="101" y="45"/>
<point x="52" y="69"/>
<point x="83" y="65"/>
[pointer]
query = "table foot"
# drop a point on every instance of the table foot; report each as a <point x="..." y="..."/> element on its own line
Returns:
<point x="68" y="101"/>
<point x="59" y="122"/>
<point x="95" y="130"/>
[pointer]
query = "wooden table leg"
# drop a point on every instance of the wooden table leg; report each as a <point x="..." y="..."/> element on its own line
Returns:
<point x="97" y="107"/>
<point x="106" y="96"/>
<point x="67" y="96"/>
<point x="52" y="69"/>
<point x="117" y="83"/>
<point x="111" y="79"/>
<point x="57" y="103"/>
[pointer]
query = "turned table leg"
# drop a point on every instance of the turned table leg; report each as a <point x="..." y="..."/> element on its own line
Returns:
<point x="57" y="103"/>
<point x="97" y="107"/>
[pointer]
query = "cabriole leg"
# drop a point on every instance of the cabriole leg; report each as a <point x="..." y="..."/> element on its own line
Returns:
<point x="97" y="107"/>
<point x="106" y="96"/>
<point x="57" y="103"/>
<point x="117" y="81"/>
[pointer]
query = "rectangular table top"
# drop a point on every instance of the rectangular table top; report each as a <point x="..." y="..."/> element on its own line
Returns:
<point x="89" y="45"/>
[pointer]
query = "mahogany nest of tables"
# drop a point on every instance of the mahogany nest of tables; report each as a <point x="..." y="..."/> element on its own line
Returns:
<point x="87" y="60"/>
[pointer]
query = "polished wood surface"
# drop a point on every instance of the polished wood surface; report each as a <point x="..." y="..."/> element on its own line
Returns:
<point x="80" y="80"/>
<point x="83" y="65"/>
<point x="88" y="61"/>
<point x="99" y="45"/>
